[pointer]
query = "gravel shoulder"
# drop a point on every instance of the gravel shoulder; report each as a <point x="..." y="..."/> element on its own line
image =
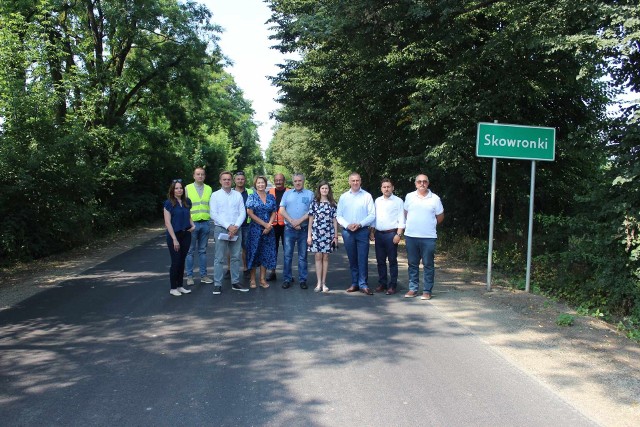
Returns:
<point x="588" y="364"/>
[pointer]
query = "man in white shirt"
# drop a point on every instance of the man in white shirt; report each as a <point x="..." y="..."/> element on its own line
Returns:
<point x="386" y="232"/>
<point x="356" y="212"/>
<point x="227" y="211"/>
<point x="424" y="212"/>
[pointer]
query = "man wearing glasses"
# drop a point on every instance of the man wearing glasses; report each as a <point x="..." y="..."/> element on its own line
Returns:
<point x="424" y="212"/>
<point x="228" y="213"/>
<point x="199" y="193"/>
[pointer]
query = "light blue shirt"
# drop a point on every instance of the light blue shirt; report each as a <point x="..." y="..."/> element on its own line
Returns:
<point x="297" y="203"/>
<point x="356" y="208"/>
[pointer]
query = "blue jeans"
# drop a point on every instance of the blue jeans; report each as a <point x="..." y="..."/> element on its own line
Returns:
<point x="421" y="249"/>
<point x="356" y="244"/>
<point x="291" y="237"/>
<point x="386" y="249"/>
<point x="199" y="238"/>
<point x="235" y="252"/>
<point x="176" y="271"/>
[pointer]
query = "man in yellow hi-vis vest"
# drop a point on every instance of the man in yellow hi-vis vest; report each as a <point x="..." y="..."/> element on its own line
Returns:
<point x="199" y="193"/>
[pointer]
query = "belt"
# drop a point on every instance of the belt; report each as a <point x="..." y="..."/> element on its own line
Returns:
<point x="393" y="230"/>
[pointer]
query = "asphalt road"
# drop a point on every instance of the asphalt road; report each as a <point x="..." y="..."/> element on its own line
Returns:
<point x="112" y="347"/>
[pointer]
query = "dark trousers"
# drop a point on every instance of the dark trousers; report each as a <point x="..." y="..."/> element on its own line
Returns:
<point x="279" y="230"/>
<point x="176" y="271"/>
<point x="385" y="249"/>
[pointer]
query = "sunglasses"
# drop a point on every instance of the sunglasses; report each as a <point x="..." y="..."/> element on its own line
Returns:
<point x="177" y="180"/>
<point x="422" y="182"/>
<point x="239" y="173"/>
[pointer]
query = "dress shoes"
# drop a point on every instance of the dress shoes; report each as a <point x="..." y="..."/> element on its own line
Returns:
<point x="303" y="285"/>
<point x="286" y="285"/>
<point x="391" y="291"/>
<point x="381" y="288"/>
<point x="367" y="291"/>
<point x="353" y="289"/>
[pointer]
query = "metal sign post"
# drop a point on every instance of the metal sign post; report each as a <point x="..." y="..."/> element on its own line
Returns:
<point x="514" y="142"/>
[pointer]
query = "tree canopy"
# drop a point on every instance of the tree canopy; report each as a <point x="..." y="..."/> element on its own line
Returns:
<point x="393" y="88"/>
<point x="102" y="103"/>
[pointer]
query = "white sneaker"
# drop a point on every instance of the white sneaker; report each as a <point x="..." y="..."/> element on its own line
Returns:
<point x="175" y="292"/>
<point x="183" y="290"/>
<point x="190" y="281"/>
<point x="206" y="279"/>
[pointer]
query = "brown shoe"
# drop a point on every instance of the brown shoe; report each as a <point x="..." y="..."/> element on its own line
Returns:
<point x="381" y="288"/>
<point x="367" y="291"/>
<point x="391" y="291"/>
<point x="411" y="294"/>
<point x="425" y="296"/>
<point x="353" y="289"/>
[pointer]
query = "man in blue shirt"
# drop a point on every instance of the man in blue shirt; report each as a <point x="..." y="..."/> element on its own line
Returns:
<point x="294" y="208"/>
<point x="356" y="212"/>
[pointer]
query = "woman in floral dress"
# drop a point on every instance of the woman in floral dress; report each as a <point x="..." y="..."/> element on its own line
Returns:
<point x="322" y="237"/>
<point x="261" y="245"/>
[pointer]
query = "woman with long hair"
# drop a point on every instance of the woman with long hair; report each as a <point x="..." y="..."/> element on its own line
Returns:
<point x="322" y="237"/>
<point x="261" y="246"/>
<point x="177" y="220"/>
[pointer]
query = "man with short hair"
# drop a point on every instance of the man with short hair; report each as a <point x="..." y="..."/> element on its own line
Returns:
<point x="386" y="232"/>
<point x="199" y="193"/>
<point x="356" y="212"/>
<point x="228" y="213"/>
<point x="424" y="212"/>
<point x="240" y="181"/>
<point x="294" y="208"/>
<point x="277" y="191"/>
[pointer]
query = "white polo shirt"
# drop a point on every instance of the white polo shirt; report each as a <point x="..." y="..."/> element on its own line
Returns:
<point x="421" y="215"/>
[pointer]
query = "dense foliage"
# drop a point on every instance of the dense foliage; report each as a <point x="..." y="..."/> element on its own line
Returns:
<point x="396" y="87"/>
<point x="102" y="103"/>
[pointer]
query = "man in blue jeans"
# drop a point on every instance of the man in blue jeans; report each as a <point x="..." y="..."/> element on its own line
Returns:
<point x="356" y="212"/>
<point x="199" y="193"/>
<point x="294" y="208"/>
<point x="424" y="212"/>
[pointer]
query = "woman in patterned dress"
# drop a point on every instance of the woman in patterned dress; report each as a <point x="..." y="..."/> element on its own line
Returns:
<point x="261" y="246"/>
<point x="322" y="237"/>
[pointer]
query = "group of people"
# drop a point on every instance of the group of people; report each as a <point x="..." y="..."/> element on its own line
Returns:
<point x="249" y="224"/>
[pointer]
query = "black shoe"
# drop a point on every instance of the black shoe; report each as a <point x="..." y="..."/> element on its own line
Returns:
<point x="217" y="290"/>
<point x="239" y="287"/>
<point x="286" y="285"/>
<point x="271" y="276"/>
<point x="303" y="285"/>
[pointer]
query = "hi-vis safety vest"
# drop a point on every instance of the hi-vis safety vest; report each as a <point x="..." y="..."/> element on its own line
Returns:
<point x="249" y="192"/>
<point x="200" y="206"/>
<point x="278" y="220"/>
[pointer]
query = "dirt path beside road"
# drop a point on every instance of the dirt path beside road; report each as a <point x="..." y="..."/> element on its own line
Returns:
<point x="589" y="364"/>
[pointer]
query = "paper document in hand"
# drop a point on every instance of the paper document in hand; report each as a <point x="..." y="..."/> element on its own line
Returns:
<point x="225" y="236"/>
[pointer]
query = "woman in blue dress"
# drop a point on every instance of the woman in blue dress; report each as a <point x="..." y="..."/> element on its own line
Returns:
<point x="261" y="246"/>
<point x="322" y="236"/>
<point x="177" y="219"/>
